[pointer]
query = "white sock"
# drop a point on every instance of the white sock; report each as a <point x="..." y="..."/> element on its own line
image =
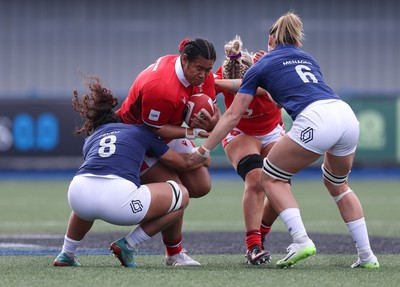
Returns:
<point x="292" y="219"/>
<point x="358" y="230"/>
<point x="70" y="246"/>
<point x="136" y="237"/>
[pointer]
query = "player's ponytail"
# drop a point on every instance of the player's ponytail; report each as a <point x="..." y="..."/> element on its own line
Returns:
<point x="288" y="29"/>
<point x="237" y="60"/>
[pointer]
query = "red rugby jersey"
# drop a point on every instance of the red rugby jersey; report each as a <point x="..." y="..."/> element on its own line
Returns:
<point x="159" y="94"/>
<point x="261" y="117"/>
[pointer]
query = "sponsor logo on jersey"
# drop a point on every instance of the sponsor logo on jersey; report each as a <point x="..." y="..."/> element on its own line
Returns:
<point x="154" y="115"/>
<point x="248" y="113"/>
<point x="295" y="62"/>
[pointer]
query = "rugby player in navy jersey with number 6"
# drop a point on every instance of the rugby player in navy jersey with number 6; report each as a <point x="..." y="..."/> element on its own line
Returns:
<point x="107" y="185"/>
<point x="322" y="125"/>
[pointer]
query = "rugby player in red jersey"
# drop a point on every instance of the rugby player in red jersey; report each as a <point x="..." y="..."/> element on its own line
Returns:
<point x="107" y="185"/>
<point x="157" y="98"/>
<point x="247" y="144"/>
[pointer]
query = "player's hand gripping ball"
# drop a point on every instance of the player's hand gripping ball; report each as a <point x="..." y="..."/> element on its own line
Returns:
<point x="199" y="104"/>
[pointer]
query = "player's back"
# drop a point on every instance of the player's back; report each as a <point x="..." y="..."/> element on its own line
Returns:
<point x="292" y="77"/>
<point x="118" y="149"/>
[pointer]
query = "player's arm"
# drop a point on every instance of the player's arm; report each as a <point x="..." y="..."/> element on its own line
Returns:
<point x="275" y="103"/>
<point x="233" y="85"/>
<point x="168" y="131"/>
<point x="208" y="123"/>
<point x="181" y="161"/>
<point x="226" y="123"/>
<point x="228" y="85"/>
<point x="175" y="132"/>
<point x="157" y="110"/>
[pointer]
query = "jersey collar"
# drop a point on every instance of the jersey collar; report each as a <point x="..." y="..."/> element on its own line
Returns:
<point x="179" y="73"/>
<point x="286" y="46"/>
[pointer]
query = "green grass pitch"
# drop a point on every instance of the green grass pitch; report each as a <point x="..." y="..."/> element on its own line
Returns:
<point x="28" y="207"/>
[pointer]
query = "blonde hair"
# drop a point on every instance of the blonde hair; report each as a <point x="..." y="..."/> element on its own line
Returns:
<point x="288" y="29"/>
<point x="237" y="60"/>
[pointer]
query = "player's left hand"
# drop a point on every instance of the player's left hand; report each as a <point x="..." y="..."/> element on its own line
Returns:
<point x="205" y="122"/>
<point x="195" y="133"/>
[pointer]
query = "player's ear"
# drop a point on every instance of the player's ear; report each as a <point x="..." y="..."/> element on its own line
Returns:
<point x="184" y="60"/>
<point x="271" y="41"/>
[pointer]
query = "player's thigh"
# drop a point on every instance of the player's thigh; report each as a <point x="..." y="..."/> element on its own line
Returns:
<point x="265" y="150"/>
<point x="163" y="196"/>
<point x="289" y="156"/>
<point x="159" y="173"/>
<point x="197" y="181"/>
<point x="241" y="146"/>
<point x="339" y="165"/>
<point x="124" y="203"/>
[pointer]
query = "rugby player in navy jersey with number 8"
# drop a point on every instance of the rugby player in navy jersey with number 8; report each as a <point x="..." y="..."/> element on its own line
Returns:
<point x="322" y="125"/>
<point x="107" y="185"/>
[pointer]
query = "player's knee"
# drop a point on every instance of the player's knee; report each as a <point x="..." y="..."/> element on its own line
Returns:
<point x="185" y="196"/>
<point x="330" y="178"/>
<point x="253" y="186"/>
<point x="248" y="163"/>
<point x="200" y="189"/>
<point x="180" y="197"/>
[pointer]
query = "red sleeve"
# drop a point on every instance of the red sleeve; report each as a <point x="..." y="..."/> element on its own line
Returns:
<point x="208" y="86"/>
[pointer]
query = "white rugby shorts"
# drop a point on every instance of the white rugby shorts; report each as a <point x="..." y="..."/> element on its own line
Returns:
<point x="109" y="198"/>
<point x="182" y="145"/>
<point x="327" y="126"/>
<point x="265" y="140"/>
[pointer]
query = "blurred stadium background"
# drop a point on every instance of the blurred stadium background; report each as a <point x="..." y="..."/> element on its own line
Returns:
<point x="45" y="42"/>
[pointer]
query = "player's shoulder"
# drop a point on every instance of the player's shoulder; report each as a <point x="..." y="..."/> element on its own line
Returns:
<point x="109" y="129"/>
<point x="170" y="59"/>
<point x="161" y="73"/>
<point x="134" y="128"/>
<point x="136" y="133"/>
<point x="162" y="91"/>
<point x="164" y="64"/>
<point x="218" y="73"/>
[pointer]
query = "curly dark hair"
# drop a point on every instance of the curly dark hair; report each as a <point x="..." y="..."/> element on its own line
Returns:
<point x="96" y="106"/>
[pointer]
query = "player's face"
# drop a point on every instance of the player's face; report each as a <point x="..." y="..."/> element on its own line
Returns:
<point x="197" y="70"/>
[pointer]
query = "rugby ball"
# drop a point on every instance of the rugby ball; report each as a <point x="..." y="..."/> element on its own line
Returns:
<point x="198" y="104"/>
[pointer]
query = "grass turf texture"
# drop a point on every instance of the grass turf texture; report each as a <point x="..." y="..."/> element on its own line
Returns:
<point x="222" y="270"/>
<point x="37" y="207"/>
<point x="42" y="207"/>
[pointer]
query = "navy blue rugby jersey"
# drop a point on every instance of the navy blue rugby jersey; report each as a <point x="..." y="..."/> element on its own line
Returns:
<point x="291" y="76"/>
<point x="119" y="149"/>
